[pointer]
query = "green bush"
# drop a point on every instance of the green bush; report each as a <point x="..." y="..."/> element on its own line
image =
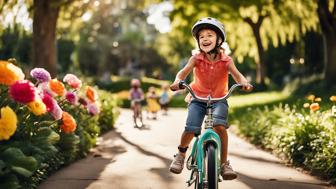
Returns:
<point x="306" y="138"/>
<point x="124" y="84"/>
<point x="109" y="110"/>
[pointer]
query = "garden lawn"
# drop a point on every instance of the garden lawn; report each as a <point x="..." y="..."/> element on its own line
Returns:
<point x="253" y="99"/>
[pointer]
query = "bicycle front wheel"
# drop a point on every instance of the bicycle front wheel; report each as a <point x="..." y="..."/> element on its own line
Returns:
<point x="211" y="168"/>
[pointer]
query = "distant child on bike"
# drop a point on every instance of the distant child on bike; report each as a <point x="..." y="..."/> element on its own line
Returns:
<point x="211" y="68"/>
<point x="136" y="96"/>
<point x="152" y="103"/>
<point x="164" y="98"/>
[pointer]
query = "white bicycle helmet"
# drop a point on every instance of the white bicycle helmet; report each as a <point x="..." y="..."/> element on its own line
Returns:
<point x="209" y="23"/>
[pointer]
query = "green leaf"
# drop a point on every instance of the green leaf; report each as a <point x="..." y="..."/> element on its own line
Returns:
<point x="69" y="141"/>
<point x="2" y="168"/>
<point x="46" y="134"/>
<point x="22" y="171"/>
<point x="15" y="158"/>
<point x="9" y="182"/>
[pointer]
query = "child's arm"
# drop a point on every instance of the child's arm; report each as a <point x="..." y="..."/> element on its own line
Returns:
<point x="239" y="78"/>
<point x="183" y="73"/>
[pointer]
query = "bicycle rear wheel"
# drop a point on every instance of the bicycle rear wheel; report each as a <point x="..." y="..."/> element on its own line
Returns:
<point x="211" y="167"/>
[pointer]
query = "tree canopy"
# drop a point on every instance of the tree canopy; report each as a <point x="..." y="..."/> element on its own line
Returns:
<point x="251" y="25"/>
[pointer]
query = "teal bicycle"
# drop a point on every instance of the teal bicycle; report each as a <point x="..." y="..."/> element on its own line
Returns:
<point x="204" y="160"/>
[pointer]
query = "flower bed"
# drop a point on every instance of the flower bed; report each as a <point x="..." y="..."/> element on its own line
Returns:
<point x="305" y="136"/>
<point x="46" y="123"/>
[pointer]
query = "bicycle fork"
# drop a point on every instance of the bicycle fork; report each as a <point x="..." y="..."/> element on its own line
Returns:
<point x="195" y="161"/>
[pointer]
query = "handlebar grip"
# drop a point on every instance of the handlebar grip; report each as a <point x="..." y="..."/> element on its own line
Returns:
<point x="181" y="84"/>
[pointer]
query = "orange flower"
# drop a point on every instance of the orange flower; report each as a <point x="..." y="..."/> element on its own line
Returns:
<point x="69" y="123"/>
<point x="318" y="99"/>
<point x="311" y="97"/>
<point x="57" y="87"/>
<point x="9" y="73"/>
<point x="314" y="107"/>
<point x="91" y="94"/>
<point x="333" y="98"/>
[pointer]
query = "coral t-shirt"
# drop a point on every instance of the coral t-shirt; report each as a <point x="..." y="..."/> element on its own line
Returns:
<point x="211" y="78"/>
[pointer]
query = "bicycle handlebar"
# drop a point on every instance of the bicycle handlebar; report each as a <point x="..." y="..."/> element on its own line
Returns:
<point x="183" y="85"/>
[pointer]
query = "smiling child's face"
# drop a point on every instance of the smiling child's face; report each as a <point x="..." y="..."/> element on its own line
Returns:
<point x="207" y="40"/>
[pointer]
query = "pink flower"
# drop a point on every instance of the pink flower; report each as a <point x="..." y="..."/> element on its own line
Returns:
<point x="40" y="74"/>
<point x="23" y="91"/>
<point x="71" y="97"/>
<point x="93" y="109"/>
<point x="44" y="88"/>
<point x="48" y="100"/>
<point x="72" y="80"/>
<point x="57" y="112"/>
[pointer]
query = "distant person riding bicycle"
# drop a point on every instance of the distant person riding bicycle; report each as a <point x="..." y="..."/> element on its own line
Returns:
<point x="211" y="68"/>
<point x="136" y="96"/>
<point x="152" y="103"/>
<point x="164" y="98"/>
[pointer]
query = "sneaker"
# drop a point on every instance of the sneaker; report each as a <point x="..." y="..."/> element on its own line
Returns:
<point x="227" y="171"/>
<point x="177" y="164"/>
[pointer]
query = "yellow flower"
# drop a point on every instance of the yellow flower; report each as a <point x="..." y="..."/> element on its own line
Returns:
<point x="8" y="121"/>
<point x="306" y="105"/>
<point x="311" y="97"/>
<point x="314" y="107"/>
<point x="9" y="73"/>
<point x="318" y="99"/>
<point x="333" y="98"/>
<point x="37" y="107"/>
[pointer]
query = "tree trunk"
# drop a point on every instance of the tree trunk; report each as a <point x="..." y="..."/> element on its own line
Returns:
<point x="261" y="63"/>
<point x="330" y="63"/>
<point x="328" y="26"/>
<point x="44" y="35"/>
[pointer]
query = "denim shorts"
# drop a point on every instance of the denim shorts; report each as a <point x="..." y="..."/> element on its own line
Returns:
<point x="197" y="112"/>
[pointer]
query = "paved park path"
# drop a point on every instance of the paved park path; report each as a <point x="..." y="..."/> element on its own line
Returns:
<point x="129" y="158"/>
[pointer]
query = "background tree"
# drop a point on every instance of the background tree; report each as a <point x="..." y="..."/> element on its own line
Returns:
<point x="45" y="15"/>
<point x="118" y="43"/>
<point x="251" y="25"/>
<point x="327" y="15"/>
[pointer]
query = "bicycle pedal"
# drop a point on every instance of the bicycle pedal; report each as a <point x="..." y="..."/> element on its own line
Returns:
<point x="190" y="182"/>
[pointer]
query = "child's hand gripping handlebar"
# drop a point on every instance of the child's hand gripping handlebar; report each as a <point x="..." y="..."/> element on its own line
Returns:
<point x="184" y="85"/>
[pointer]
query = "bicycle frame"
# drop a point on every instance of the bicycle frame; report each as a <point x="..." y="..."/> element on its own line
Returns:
<point x="197" y="152"/>
<point x="209" y="136"/>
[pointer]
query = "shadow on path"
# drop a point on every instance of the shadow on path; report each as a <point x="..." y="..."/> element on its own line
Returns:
<point x="278" y="184"/>
<point x="162" y="172"/>
<point x="82" y="173"/>
<point x="259" y="159"/>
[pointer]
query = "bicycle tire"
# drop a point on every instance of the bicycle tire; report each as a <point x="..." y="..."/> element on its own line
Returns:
<point x="212" y="176"/>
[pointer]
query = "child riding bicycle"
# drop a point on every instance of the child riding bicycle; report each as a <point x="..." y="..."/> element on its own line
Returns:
<point x="164" y="98"/>
<point x="211" y="68"/>
<point x="136" y="97"/>
<point x="152" y="103"/>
